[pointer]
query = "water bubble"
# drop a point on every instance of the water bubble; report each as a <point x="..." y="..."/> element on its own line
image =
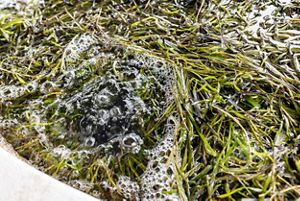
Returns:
<point x="90" y="141"/>
<point x="131" y="143"/>
<point x="47" y="87"/>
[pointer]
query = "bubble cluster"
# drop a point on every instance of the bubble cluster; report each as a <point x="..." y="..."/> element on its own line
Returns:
<point x="80" y="44"/>
<point x="132" y="87"/>
<point x="158" y="179"/>
<point x="110" y="111"/>
<point x="21" y="7"/>
<point x="8" y="92"/>
<point x="83" y="56"/>
<point x="107" y="109"/>
<point x="17" y="4"/>
<point x="104" y="99"/>
<point x="129" y="189"/>
<point x="81" y="184"/>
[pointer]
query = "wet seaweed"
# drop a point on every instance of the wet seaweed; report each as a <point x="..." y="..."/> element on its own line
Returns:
<point x="236" y="99"/>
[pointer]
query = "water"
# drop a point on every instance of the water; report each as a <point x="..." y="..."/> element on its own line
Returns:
<point x="97" y="117"/>
<point x="107" y="111"/>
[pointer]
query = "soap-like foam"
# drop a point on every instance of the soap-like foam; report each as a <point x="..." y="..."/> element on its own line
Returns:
<point x="129" y="189"/>
<point x="158" y="180"/>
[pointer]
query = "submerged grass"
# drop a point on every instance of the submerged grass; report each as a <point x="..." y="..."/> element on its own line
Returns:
<point x="237" y="91"/>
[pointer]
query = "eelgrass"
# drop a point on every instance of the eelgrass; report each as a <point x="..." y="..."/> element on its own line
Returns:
<point x="237" y="93"/>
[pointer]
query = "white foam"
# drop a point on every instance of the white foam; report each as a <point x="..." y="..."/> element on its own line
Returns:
<point x="77" y="46"/>
<point x="18" y="4"/>
<point x="158" y="179"/>
<point x="61" y="151"/>
<point x="11" y="91"/>
<point x="129" y="189"/>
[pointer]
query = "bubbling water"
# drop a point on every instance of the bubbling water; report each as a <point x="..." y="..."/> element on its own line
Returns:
<point x="131" y="87"/>
<point x="104" y="99"/>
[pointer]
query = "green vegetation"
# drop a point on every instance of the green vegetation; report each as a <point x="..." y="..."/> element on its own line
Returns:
<point x="237" y="96"/>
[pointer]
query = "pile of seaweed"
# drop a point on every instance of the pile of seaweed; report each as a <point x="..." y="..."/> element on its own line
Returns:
<point x="155" y="100"/>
